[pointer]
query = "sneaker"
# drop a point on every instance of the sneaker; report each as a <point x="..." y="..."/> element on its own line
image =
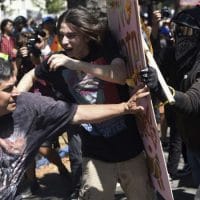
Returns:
<point x="29" y="189"/>
<point x="26" y="193"/>
<point x="185" y="171"/>
<point x="73" y="196"/>
<point x="182" y="173"/>
<point x="197" y="196"/>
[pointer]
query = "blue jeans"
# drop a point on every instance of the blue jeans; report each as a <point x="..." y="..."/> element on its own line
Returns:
<point x="194" y="161"/>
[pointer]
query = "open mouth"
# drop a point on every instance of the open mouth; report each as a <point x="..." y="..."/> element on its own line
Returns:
<point x="12" y="102"/>
<point x="68" y="50"/>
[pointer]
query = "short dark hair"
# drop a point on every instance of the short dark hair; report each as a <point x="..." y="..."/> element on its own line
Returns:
<point x="4" y="24"/>
<point x="20" y="20"/>
<point x="6" y="70"/>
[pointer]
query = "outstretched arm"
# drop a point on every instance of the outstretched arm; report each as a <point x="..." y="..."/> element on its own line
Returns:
<point x="98" y="113"/>
<point x="185" y="102"/>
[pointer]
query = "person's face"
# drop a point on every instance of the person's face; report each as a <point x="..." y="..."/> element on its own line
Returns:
<point x="8" y="94"/>
<point x="9" y="28"/>
<point x="19" y="27"/>
<point x="74" y="43"/>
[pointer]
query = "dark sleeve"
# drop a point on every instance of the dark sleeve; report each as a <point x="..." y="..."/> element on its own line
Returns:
<point x="156" y="45"/>
<point x="189" y="102"/>
<point x="52" y="116"/>
<point x="42" y="71"/>
<point x="165" y="60"/>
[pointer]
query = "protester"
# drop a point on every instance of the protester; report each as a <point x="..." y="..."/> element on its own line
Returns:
<point x="49" y="24"/>
<point x="20" y="25"/>
<point x="7" y="42"/>
<point x="112" y="151"/>
<point x="45" y="118"/>
<point x="182" y="71"/>
<point x="174" y="144"/>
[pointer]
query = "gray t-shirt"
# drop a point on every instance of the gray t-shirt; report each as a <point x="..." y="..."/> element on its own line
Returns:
<point x="35" y="119"/>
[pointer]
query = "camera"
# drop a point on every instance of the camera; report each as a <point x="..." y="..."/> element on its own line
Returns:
<point x="165" y="12"/>
<point x="29" y="40"/>
<point x="35" y="39"/>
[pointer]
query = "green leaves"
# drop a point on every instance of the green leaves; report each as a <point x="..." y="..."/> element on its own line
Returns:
<point x="54" y="6"/>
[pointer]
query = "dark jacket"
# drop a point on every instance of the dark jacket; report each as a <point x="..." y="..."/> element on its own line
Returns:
<point x="187" y="84"/>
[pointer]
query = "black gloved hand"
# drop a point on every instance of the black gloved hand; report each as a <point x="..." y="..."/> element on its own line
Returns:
<point x="150" y="78"/>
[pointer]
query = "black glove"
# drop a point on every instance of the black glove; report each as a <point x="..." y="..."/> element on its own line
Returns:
<point x="150" y="78"/>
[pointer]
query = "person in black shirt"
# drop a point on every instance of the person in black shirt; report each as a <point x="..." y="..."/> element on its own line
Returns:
<point x="182" y="70"/>
<point x="91" y="71"/>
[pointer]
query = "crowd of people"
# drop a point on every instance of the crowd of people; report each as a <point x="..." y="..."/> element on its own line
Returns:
<point x="53" y="75"/>
<point x="178" y="60"/>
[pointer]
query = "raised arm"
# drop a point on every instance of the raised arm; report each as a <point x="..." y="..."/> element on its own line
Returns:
<point x="114" y="72"/>
<point x="27" y="81"/>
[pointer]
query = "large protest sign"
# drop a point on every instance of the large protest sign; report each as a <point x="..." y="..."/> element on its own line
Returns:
<point x="124" y="22"/>
<point x="189" y="2"/>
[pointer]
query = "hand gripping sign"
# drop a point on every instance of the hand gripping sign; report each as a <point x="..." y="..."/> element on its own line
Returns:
<point x="124" y="22"/>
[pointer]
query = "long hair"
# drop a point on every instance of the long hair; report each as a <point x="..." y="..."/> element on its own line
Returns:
<point x="84" y="22"/>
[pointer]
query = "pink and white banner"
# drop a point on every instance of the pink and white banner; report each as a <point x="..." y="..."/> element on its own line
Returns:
<point x="124" y="22"/>
<point x="189" y="2"/>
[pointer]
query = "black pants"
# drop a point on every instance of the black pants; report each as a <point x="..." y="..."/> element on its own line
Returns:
<point x="75" y="155"/>
<point x="176" y="148"/>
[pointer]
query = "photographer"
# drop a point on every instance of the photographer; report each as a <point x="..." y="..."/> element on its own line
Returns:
<point x="25" y="59"/>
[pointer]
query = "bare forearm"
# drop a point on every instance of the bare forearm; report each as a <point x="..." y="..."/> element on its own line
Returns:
<point x="98" y="113"/>
<point x="26" y="82"/>
<point x="115" y="72"/>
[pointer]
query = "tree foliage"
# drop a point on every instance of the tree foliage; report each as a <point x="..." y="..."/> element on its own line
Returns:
<point x="54" y="6"/>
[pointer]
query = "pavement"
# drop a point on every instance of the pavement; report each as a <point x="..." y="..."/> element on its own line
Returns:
<point x="55" y="187"/>
<point x="183" y="188"/>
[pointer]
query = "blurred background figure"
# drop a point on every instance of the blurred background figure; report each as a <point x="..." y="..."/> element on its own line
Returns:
<point x="20" y="25"/>
<point x="7" y="44"/>
<point x="49" y="26"/>
<point x="7" y="41"/>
